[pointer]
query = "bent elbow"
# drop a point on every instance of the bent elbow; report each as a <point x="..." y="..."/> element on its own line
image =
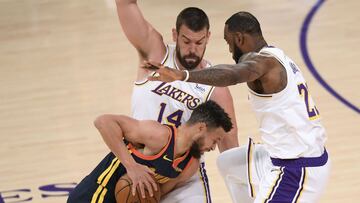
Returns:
<point x="100" y="121"/>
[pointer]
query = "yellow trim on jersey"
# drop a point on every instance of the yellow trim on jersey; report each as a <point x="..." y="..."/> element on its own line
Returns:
<point x="102" y="195"/>
<point x="259" y="95"/>
<point x="166" y="55"/>
<point x="142" y="82"/>
<point x="96" y="194"/>
<point x="250" y="155"/>
<point x="307" y="104"/>
<point x="103" y="179"/>
<point x="315" y="117"/>
<point x="210" y="93"/>
<point x="108" y="176"/>
<point x="174" y="60"/>
<point x="106" y="171"/>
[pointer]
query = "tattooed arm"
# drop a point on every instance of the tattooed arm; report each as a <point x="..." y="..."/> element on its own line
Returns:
<point x="251" y="67"/>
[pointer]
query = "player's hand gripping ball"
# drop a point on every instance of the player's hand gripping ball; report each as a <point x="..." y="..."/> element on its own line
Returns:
<point x="123" y="193"/>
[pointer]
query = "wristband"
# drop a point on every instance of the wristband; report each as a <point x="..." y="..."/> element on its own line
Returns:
<point x="186" y="76"/>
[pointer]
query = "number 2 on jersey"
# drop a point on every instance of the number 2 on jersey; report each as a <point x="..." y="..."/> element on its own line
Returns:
<point x="173" y="118"/>
<point x="313" y="113"/>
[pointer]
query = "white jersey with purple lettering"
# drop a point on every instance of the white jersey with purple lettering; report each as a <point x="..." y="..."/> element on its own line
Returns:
<point x="292" y="165"/>
<point x="168" y="103"/>
<point x="298" y="167"/>
<point x="172" y="103"/>
<point x="289" y="120"/>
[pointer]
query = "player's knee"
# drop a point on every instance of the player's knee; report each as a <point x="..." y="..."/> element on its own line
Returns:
<point x="232" y="162"/>
<point x="222" y="162"/>
<point x="227" y="159"/>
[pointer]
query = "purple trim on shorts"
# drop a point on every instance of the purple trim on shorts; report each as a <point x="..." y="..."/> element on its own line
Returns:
<point x="205" y="182"/>
<point x="288" y="187"/>
<point x="302" y="162"/>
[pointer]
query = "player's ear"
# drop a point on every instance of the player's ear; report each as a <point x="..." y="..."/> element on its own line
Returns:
<point x="174" y="34"/>
<point x="239" y="38"/>
<point x="208" y="36"/>
<point x="202" y="127"/>
<point x="198" y="130"/>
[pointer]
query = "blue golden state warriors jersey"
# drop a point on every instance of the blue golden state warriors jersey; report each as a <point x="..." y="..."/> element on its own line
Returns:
<point x="164" y="163"/>
<point x="99" y="185"/>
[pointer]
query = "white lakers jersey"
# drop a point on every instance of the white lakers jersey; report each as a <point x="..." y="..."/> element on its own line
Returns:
<point x="289" y="120"/>
<point x="168" y="103"/>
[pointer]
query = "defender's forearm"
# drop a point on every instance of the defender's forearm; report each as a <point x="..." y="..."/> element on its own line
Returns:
<point x="220" y="75"/>
<point x="225" y="75"/>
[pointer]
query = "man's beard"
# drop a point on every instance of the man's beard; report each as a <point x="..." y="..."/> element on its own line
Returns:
<point x="195" y="150"/>
<point x="237" y="54"/>
<point x="188" y="65"/>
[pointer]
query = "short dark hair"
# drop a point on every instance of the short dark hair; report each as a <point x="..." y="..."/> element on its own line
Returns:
<point x="244" y="22"/>
<point x="194" y="18"/>
<point x="212" y="114"/>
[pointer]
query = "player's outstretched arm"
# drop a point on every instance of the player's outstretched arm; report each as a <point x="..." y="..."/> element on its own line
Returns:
<point x="139" y="32"/>
<point x="113" y="128"/>
<point x="253" y="67"/>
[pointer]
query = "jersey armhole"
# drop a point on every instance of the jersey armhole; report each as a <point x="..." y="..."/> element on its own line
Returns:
<point x="138" y="83"/>
<point x="207" y="98"/>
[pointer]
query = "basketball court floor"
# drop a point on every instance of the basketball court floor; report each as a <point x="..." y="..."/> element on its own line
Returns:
<point x="64" y="62"/>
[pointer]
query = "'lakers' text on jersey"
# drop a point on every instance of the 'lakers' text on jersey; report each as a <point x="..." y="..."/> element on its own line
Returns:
<point x="168" y="103"/>
<point x="169" y="90"/>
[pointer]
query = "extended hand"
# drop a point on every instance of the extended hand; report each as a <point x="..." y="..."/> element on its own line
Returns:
<point x="162" y="73"/>
<point x="141" y="175"/>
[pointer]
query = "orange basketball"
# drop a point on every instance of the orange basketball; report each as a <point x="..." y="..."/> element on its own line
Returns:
<point x="123" y="193"/>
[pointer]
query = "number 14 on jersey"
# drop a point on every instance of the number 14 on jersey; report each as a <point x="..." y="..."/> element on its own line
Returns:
<point x="172" y="119"/>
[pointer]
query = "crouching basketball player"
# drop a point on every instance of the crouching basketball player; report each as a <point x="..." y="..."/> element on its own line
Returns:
<point x="145" y="148"/>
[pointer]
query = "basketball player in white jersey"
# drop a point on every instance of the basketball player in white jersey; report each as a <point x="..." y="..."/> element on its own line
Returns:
<point x="292" y="164"/>
<point x="172" y="103"/>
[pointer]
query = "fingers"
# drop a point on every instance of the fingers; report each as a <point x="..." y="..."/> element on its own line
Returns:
<point x="153" y="66"/>
<point x="142" y="191"/>
<point x="154" y="185"/>
<point x="133" y="189"/>
<point x="149" y="188"/>
<point x="160" y="74"/>
<point x="144" y="181"/>
<point x="151" y="181"/>
<point x="140" y="185"/>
